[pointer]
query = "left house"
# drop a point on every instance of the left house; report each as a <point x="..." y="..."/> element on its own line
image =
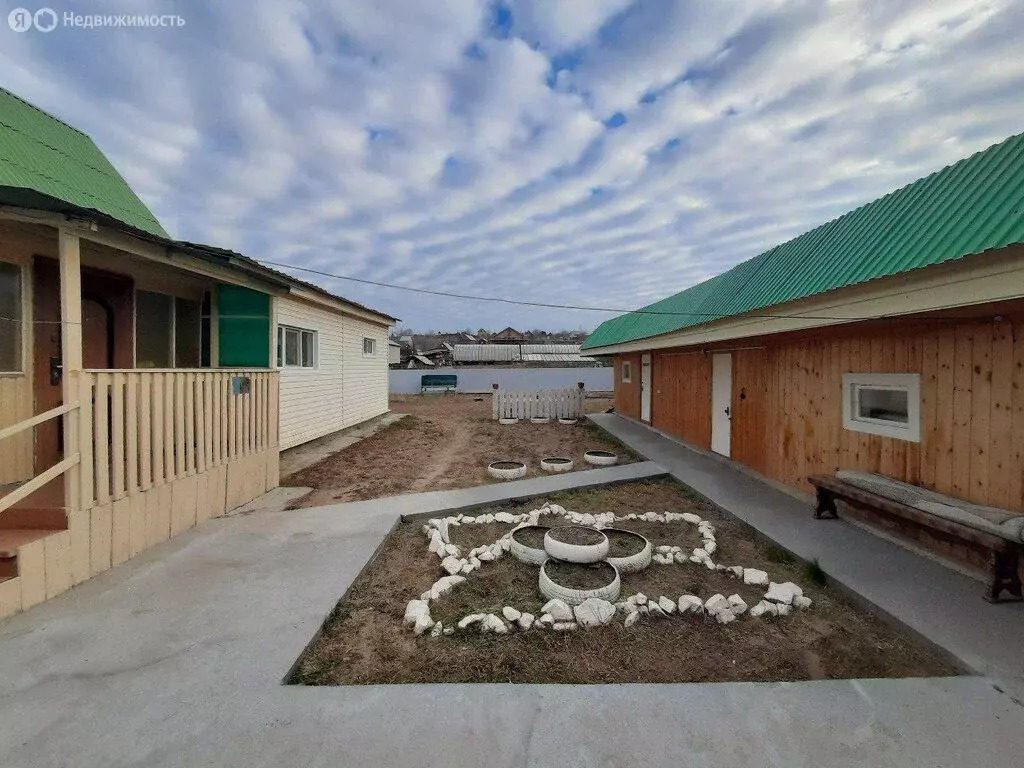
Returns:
<point x="146" y="384"/>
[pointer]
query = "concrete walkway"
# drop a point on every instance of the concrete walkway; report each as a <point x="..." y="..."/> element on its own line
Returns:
<point x="176" y="658"/>
<point x="935" y="601"/>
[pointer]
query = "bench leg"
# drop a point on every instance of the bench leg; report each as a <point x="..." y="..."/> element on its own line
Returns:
<point x="1005" y="576"/>
<point x="826" y="504"/>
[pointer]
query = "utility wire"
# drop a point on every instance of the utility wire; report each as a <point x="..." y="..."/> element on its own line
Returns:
<point x="497" y="299"/>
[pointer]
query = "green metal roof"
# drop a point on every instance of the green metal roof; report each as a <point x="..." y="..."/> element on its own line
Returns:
<point x="974" y="205"/>
<point x="42" y="156"/>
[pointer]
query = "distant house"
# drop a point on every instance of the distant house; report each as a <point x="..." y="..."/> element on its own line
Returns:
<point x="146" y="384"/>
<point x="890" y="340"/>
<point x="508" y="336"/>
<point x="394" y="353"/>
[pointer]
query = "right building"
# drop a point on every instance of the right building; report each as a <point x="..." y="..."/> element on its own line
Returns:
<point x="889" y="340"/>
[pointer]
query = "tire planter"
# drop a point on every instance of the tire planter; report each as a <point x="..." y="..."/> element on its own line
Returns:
<point x="556" y="464"/>
<point x="506" y="422"/>
<point x="576" y="553"/>
<point x="507" y="470"/>
<point x="635" y="562"/>
<point x="568" y="422"/>
<point x="600" y="458"/>
<point x="524" y="553"/>
<point x="553" y="591"/>
<point x="539" y="420"/>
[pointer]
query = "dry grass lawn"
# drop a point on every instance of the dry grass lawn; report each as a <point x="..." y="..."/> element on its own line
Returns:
<point x="364" y="641"/>
<point x="446" y="442"/>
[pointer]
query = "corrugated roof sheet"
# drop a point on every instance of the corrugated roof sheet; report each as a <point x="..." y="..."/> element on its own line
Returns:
<point x="40" y="153"/>
<point x="974" y="205"/>
<point x="485" y="353"/>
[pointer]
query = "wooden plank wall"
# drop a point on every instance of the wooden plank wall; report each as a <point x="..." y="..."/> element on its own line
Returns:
<point x="681" y="395"/>
<point x="15" y="406"/>
<point x="787" y="405"/>
<point x="627" y="395"/>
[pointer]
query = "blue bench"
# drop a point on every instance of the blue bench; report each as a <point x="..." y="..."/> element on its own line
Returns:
<point x="438" y="382"/>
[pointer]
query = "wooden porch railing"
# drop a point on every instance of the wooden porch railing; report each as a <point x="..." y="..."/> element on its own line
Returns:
<point x="143" y="428"/>
<point x="44" y="477"/>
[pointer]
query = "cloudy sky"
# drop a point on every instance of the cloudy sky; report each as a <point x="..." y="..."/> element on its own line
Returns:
<point x="590" y="152"/>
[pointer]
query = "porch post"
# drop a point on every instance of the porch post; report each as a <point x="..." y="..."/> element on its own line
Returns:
<point x="71" y="356"/>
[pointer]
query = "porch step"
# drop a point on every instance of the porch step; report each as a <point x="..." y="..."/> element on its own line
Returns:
<point x="11" y="540"/>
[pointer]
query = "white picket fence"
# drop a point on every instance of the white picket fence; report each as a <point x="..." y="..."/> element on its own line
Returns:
<point x="538" y="403"/>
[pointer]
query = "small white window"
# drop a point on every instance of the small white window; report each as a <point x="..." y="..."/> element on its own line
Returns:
<point x="369" y="346"/>
<point x="887" y="404"/>
<point x="627" y="372"/>
<point x="296" y="347"/>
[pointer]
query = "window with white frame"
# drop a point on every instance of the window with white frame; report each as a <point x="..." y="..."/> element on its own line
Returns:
<point x="887" y="404"/>
<point x="11" y="320"/>
<point x="296" y="347"/>
<point x="627" y="372"/>
<point x="369" y="346"/>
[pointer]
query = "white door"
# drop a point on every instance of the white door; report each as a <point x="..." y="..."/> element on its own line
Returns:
<point x="645" y="388"/>
<point x="721" y="403"/>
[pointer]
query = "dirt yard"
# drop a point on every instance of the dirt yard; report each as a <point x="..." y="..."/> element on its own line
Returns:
<point x="446" y="442"/>
<point x="364" y="640"/>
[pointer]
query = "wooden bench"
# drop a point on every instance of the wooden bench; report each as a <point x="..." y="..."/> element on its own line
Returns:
<point x="438" y="382"/>
<point x="1003" y="555"/>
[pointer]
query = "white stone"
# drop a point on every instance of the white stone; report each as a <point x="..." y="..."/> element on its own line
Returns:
<point x="754" y="577"/>
<point x="784" y="610"/>
<point x="504" y="517"/>
<point x="724" y="617"/>
<point x="700" y="554"/>
<point x="423" y="623"/>
<point x="451" y="549"/>
<point x="442" y="528"/>
<point x="690" y="604"/>
<point x="511" y="614"/>
<point x="437" y="630"/>
<point x="654" y="609"/>
<point x="444" y="585"/>
<point x="716" y="603"/>
<point x="414" y="609"/>
<point x="692" y="518"/>
<point x="435" y="542"/>
<point x="739" y="606"/>
<point x="644" y="609"/>
<point x="449" y="631"/>
<point x="680" y="557"/>
<point x="492" y="623"/>
<point x="782" y="593"/>
<point x="764" y="608"/>
<point x="473" y="618"/>
<point x="668" y="606"/>
<point x="547" y="618"/>
<point x="475" y="562"/>
<point x="468" y="519"/>
<point x="564" y="626"/>
<point x="710" y="546"/>
<point x="632" y="619"/>
<point x="485" y="557"/>
<point x="640" y="598"/>
<point x="594" y="612"/>
<point x="506" y="544"/>
<point x="736" y="570"/>
<point x="662" y="549"/>
<point x="467" y="568"/>
<point x="526" y="620"/>
<point x="558" y="609"/>
<point x="451" y="564"/>
<point x="799" y="601"/>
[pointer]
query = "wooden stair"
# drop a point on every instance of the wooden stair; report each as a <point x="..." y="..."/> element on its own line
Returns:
<point x="23" y="530"/>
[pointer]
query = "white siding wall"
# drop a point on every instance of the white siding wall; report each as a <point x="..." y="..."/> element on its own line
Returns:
<point x="345" y="388"/>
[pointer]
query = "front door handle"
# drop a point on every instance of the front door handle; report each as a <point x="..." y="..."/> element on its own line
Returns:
<point x="56" y="370"/>
<point x="728" y="412"/>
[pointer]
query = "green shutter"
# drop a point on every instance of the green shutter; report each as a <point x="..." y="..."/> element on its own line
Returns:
<point x="244" y="327"/>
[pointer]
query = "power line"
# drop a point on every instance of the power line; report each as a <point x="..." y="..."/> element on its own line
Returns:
<point x="517" y="302"/>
